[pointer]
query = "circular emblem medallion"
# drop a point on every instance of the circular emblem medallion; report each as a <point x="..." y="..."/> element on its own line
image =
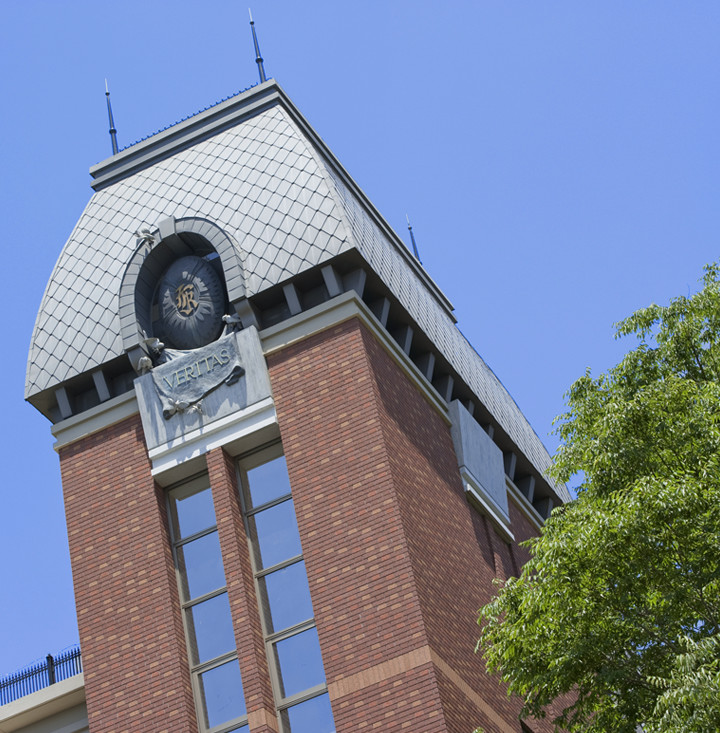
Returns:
<point x="190" y="301"/>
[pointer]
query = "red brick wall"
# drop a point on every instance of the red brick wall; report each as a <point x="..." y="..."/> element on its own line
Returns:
<point x="134" y="657"/>
<point x="365" y="601"/>
<point x="398" y="561"/>
<point x="454" y="551"/>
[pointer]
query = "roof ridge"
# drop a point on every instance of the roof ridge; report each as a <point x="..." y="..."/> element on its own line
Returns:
<point x="187" y="117"/>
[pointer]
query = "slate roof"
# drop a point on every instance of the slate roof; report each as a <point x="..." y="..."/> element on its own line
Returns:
<point x="269" y="182"/>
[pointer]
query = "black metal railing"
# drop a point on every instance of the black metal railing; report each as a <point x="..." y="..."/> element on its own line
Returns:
<point x="43" y="674"/>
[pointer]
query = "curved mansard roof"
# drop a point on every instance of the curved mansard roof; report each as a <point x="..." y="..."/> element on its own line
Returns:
<point x="253" y="167"/>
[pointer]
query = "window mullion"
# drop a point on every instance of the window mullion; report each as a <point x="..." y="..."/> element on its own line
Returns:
<point x="195" y="536"/>
<point x="205" y="597"/>
<point x="288" y="702"/>
<point x="214" y="662"/>
<point x="206" y="629"/>
<point x="290" y="631"/>
<point x="278" y="566"/>
<point x="268" y="504"/>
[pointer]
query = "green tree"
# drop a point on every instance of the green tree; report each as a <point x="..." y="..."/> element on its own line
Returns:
<point x="690" y="698"/>
<point x="620" y="603"/>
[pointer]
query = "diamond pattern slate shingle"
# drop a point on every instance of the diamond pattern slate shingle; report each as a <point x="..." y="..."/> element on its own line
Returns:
<point x="265" y="185"/>
<point x="259" y="181"/>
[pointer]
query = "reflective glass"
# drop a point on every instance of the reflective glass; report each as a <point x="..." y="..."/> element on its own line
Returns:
<point x="275" y="534"/>
<point x="193" y="513"/>
<point x="286" y="597"/>
<point x="300" y="662"/>
<point x="210" y="629"/>
<point x="201" y="567"/>
<point x="311" y="716"/>
<point x="269" y="481"/>
<point x="222" y="694"/>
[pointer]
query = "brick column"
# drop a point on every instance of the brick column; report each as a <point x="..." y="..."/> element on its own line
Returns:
<point x="375" y="649"/>
<point x="454" y="551"/>
<point x="133" y="647"/>
<point x="241" y="594"/>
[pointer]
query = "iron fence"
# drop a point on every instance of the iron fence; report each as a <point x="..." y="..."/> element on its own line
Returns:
<point x="35" y="677"/>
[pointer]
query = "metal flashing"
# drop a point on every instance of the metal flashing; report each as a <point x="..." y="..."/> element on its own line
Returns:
<point x="187" y="117"/>
<point x="524" y="506"/>
<point x="50" y="701"/>
<point x="477" y="497"/>
<point x="183" y="134"/>
<point x="168" y="460"/>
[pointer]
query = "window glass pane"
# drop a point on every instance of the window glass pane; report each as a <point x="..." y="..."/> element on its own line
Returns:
<point x="267" y="482"/>
<point x="193" y="513"/>
<point x="210" y="629"/>
<point x="221" y="694"/>
<point x="300" y="662"/>
<point x="286" y="597"/>
<point x="311" y="716"/>
<point x="275" y="534"/>
<point x="201" y="566"/>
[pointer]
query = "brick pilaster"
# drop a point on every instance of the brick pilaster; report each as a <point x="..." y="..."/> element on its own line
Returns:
<point x="134" y="655"/>
<point x="377" y="664"/>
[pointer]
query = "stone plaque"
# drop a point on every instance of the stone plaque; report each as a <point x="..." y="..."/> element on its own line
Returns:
<point x="185" y="380"/>
<point x="197" y="388"/>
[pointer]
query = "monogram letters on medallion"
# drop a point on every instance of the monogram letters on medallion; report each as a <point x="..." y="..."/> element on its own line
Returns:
<point x="185" y="299"/>
<point x="190" y="303"/>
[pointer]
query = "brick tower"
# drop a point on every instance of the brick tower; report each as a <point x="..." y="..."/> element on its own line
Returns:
<point x="289" y="480"/>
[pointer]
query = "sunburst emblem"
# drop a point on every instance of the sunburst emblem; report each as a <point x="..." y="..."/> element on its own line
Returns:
<point x="190" y="299"/>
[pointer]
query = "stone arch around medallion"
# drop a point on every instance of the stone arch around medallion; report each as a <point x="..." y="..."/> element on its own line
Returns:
<point x="157" y="250"/>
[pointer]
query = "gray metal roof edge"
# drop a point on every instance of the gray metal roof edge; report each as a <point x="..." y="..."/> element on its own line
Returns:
<point x="198" y="127"/>
<point x="502" y="384"/>
<point x="560" y="488"/>
<point x="329" y="159"/>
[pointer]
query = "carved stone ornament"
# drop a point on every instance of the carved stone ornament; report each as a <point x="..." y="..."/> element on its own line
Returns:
<point x="186" y="379"/>
<point x="190" y="302"/>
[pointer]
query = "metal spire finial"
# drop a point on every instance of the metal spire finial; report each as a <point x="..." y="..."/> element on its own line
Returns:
<point x="412" y="239"/>
<point x="259" y="58"/>
<point x="113" y="131"/>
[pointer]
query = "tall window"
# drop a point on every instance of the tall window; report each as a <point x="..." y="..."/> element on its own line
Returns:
<point x="217" y="685"/>
<point x="291" y="638"/>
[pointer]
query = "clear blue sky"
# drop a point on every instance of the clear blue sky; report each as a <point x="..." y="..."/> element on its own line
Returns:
<point x="559" y="162"/>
